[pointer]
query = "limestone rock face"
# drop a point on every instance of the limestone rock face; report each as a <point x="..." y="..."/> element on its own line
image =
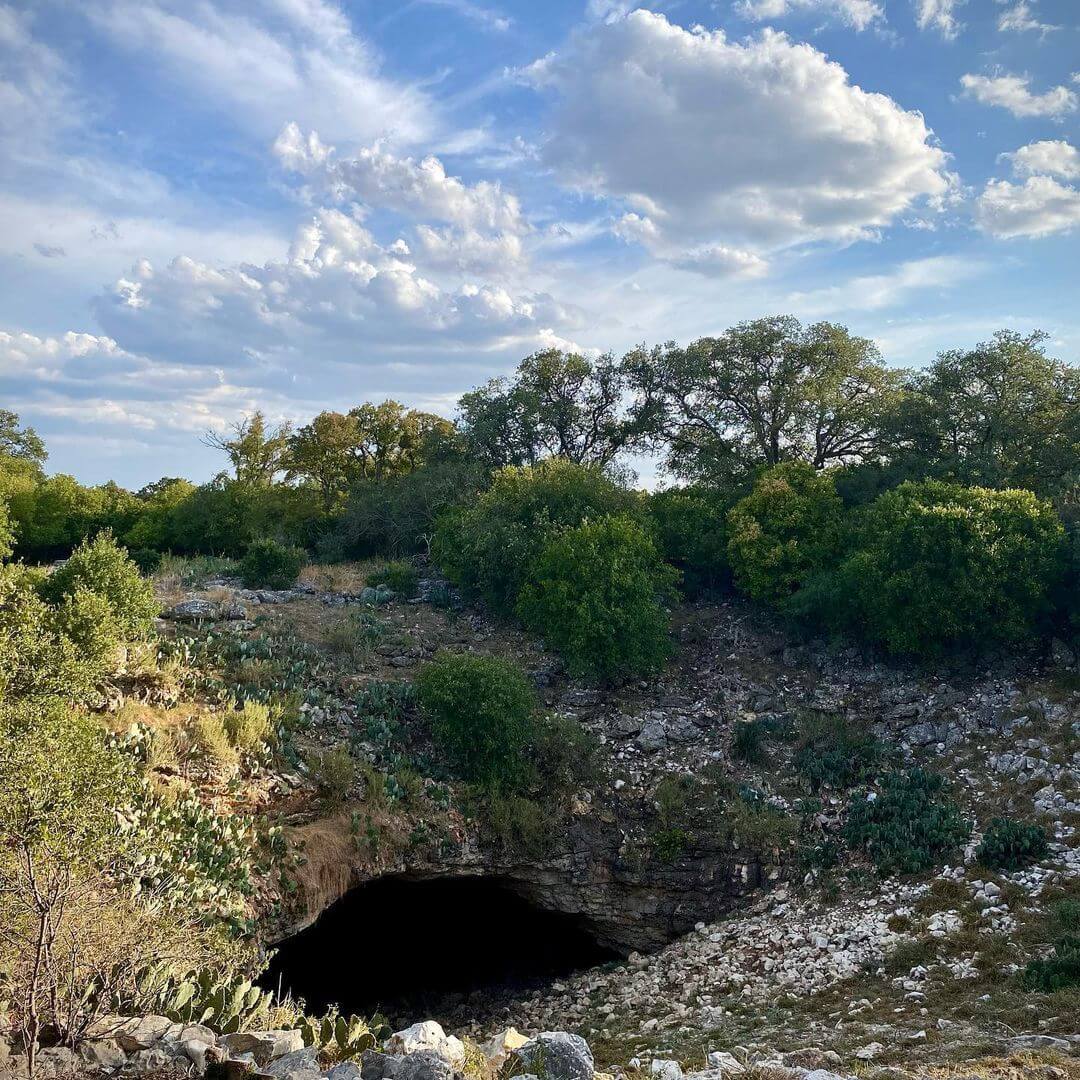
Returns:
<point x="264" y="1046"/>
<point x="198" y="610"/>
<point x="499" y="1047"/>
<point x="297" y="1065"/>
<point x="426" y="1065"/>
<point x="556" y="1055"/>
<point x="428" y="1036"/>
<point x="141" y="1032"/>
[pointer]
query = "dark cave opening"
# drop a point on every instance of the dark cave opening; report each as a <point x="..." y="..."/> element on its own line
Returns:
<point x="413" y="950"/>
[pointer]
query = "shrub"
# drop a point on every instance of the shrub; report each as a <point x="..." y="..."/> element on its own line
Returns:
<point x="248" y="727"/>
<point x="596" y="594"/>
<point x="101" y="567"/>
<point x="7" y="532"/>
<point x="748" y="742"/>
<point x="909" y="826"/>
<point x="481" y="713"/>
<point x="269" y="565"/>
<point x="690" y="527"/>
<point x="832" y="752"/>
<point x="89" y="621"/>
<point x="785" y="530"/>
<point x="37" y="659"/>
<point x="1059" y="971"/>
<point x="488" y="548"/>
<point x="334" y="772"/>
<point x="212" y="739"/>
<point x="402" y="577"/>
<point x="1012" y="845"/>
<point x="146" y="559"/>
<point x="937" y="565"/>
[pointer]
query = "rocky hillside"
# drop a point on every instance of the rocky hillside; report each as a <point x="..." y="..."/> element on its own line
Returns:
<point x="709" y="842"/>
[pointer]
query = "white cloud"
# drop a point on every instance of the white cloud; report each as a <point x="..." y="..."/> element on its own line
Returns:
<point x="1052" y="157"/>
<point x="264" y="60"/>
<point x="486" y="17"/>
<point x="715" y="146"/>
<point x="874" y="292"/>
<point x="1020" y="18"/>
<point x="339" y="295"/>
<point x="859" y="14"/>
<point x="1013" y="92"/>
<point x="1039" y="207"/>
<point x="376" y="176"/>
<point x="938" y="15"/>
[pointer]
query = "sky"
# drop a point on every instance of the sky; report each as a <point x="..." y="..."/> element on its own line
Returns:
<point x="213" y="206"/>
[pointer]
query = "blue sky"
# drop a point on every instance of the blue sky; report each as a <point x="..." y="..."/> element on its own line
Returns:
<point x="208" y="206"/>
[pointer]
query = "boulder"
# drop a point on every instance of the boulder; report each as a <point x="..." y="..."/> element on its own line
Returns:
<point x="141" y="1032"/>
<point x="297" y="1065"/>
<point x="653" y="736"/>
<point x="665" y="1069"/>
<point x="196" y="1051"/>
<point x="426" y="1065"/>
<point x="58" y="1061"/>
<point x="427" y="1035"/>
<point x="264" y="1046"/>
<point x="499" y="1047"/>
<point x="197" y="610"/>
<point x="347" y="1070"/>
<point x="102" y="1054"/>
<point x="375" y="1065"/>
<point x="153" y="1060"/>
<point x="556" y="1055"/>
<point x="726" y="1063"/>
<point x="179" y="1033"/>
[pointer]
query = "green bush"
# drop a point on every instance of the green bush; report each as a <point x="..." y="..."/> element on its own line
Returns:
<point x="1059" y="971"/>
<point x="146" y="559"/>
<point x="596" y="594"/>
<point x="89" y="621"/>
<point x="7" y="531"/>
<point x="690" y="527"/>
<point x="481" y="710"/>
<point x="488" y="548"/>
<point x="37" y="659"/>
<point x="909" y="826"/>
<point x="787" y="529"/>
<point x="402" y="577"/>
<point x="1011" y="845"/>
<point x="935" y="565"/>
<point x="101" y="567"/>
<point x="835" y="753"/>
<point x="248" y="727"/>
<point x="748" y="742"/>
<point x="269" y="565"/>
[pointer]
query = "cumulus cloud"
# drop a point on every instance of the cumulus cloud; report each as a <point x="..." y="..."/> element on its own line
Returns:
<point x="1050" y="157"/>
<point x="939" y="15"/>
<point x="373" y="174"/>
<point x="337" y="292"/>
<point x="720" y="151"/>
<point x="1040" y="206"/>
<point x="859" y="14"/>
<point x="1013" y="92"/>
<point x="269" y="59"/>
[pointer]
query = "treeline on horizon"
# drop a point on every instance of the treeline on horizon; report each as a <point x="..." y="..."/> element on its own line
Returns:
<point x="920" y="510"/>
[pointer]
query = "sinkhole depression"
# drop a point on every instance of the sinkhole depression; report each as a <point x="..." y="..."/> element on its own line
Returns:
<point x="416" y="949"/>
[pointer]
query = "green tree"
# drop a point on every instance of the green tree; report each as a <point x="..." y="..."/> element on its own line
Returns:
<point x="557" y="405"/>
<point x="393" y="440"/>
<point x="764" y="392"/>
<point x="787" y="529"/>
<point x="60" y="790"/>
<point x="323" y="453"/>
<point x="597" y="595"/>
<point x="256" y="450"/>
<point x="690" y="526"/>
<point x="23" y="443"/>
<point x="1003" y="414"/>
<point x="488" y="547"/>
<point x="937" y="566"/>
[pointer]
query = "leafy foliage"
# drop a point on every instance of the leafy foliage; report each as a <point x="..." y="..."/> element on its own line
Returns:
<point x="909" y="825"/>
<point x="102" y="568"/>
<point x="481" y="711"/>
<point x="1011" y="845"/>
<point x="402" y="577"/>
<point x="489" y="548"/>
<point x="596" y="594"/>
<point x="1059" y="971"/>
<point x="269" y="565"/>
<point x="831" y="752"/>
<point x="784" y="531"/>
<point x="935" y="565"/>
<point x="690" y="527"/>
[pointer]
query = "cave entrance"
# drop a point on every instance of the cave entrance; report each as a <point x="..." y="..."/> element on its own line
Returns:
<point x="414" y="950"/>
